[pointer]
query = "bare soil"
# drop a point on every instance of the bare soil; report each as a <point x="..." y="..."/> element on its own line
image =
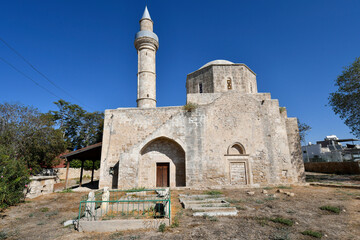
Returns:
<point x="43" y="217"/>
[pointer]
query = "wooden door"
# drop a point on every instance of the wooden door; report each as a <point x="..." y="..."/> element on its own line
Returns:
<point x="162" y="175"/>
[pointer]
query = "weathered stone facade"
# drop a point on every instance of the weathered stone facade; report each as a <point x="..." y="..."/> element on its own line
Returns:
<point x="234" y="137"/>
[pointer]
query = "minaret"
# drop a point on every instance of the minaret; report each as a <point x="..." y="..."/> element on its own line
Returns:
<point x="146" y="44"/>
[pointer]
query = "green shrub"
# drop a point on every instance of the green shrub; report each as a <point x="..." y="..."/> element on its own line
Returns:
<point x="330" y="209"/>
<point x="284" y="187"/>
<point x="312" y="234"/>
<point x="3" y="235"/>
<point x="87" y="164"/>
<point x="14" y="178"/>
<point x="284" y="221"/>
<point x="190" y="107"/>
<point x="162" y="227"/>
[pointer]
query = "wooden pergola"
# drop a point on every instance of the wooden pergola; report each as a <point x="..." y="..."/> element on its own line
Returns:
<point x="92" y="152"/>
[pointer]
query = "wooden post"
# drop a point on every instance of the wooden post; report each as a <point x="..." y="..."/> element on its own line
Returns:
<point x="92" y="172"/>
<point x="81" y="173"/>
<point x="67" y="173"/>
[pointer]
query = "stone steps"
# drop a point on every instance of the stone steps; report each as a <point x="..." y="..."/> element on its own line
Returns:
<point x="208" y="205"/>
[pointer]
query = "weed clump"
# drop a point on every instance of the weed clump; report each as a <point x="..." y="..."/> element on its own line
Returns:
<point x="67" y="190"/>
<point x="312" y="233"/>
<point x="162" y="227"/>
<point x="330" y="209"/>
<point x="190" y="107"/>
<point x="284" y="221"/>
<point x="45" y="209"/>
<point x="213" y="192"/>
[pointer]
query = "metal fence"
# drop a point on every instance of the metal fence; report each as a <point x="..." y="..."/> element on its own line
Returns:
<point x="125" y="204"/>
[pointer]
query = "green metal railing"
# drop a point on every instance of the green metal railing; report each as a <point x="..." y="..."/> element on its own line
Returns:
<point x="126" y="204"/>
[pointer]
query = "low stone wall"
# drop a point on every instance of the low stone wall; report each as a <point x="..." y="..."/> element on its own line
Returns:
<point x="333" y="167"/>
<point x="75" y="173"/>
<point x="120" y="225"/>
<point x="40" y="185"/>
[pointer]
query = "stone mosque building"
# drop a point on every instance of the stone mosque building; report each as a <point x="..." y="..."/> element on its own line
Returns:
<point x="229" y="135"/>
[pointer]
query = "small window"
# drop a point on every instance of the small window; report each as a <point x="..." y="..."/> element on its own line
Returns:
<point x="200" y="88"/>
<point x="251" y="88"/>
<point x="229" y="87"/>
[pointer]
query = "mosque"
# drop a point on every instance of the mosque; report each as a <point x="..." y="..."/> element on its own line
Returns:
<point x="227" y="135"/>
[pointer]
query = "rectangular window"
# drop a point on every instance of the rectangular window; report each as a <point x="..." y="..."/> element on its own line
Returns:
<point x="200" y="88"/>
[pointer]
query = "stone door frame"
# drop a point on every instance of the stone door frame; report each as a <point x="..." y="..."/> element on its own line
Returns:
<point x="240" y="159"/>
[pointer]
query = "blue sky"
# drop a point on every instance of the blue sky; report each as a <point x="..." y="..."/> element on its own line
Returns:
<point x="297" y="49"/>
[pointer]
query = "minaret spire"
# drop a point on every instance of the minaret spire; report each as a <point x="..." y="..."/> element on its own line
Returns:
<point x="146" y="14"/>
<point x="146" y="44"/>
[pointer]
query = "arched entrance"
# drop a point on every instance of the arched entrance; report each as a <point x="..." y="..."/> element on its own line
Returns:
<point x="162" y="164"/>
<point x="238" y="164"/>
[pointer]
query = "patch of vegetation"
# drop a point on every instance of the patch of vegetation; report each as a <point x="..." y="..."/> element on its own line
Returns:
<point x="211" y="218"/>
<point x="312" y="233"/>
<point x="162" y="227"/>
<point x="67" y="190"/>
<point x="262" y="221"/>
<point x="282" y="109"/>
<point x="268" y="188"/>
<point x="88" y="164"/>
<point x="258" y="201"/>
<point x="3" y="235"/>
<point x="175" y="223"/>
<point x="190" y="107"/>
<point x="234" y="200"/>
<point x="41" y="223"/>
<point x="213" y="192"/>
<point x="270" y="198"/>
<point x="290" y="211"/>
<point x="284" y="187"/>
<point x="14" y="177"/>
<point x="282" y="235"/>
<point x="50" y="214"/>
<point x="240" y="207"/>
<point x="284" y="221"/>
<point x="134" y="237"/>
<point x="116" y="235"/>
<point x="44" y="209"/>
<point x="330" y="209"/>
<point x="31" y="215"/>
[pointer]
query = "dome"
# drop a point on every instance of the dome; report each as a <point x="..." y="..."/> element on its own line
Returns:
<point x="217" y="62"/>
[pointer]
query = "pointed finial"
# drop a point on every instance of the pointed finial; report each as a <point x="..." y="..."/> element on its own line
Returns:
<point x="146" y="14"/>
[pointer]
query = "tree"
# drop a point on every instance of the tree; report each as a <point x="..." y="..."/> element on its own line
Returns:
<point x="303" y="130"/>
<point x="345" y="102"/>
<point x="14" y="177"/>
<point x="30" y="136"/>
<point x="79" y="128"/>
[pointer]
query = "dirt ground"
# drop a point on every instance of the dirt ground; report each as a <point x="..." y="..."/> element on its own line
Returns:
<point x="43" y="217"/>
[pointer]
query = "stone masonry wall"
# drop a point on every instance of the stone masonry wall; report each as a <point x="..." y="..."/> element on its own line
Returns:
<point x="204" y="134"/>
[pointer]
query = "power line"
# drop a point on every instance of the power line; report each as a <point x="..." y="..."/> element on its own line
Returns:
<point x="38" y="71"/>
<point x="22" y="73"/>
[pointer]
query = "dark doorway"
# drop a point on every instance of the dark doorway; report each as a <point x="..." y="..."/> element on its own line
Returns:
<point x="162" y="174"/>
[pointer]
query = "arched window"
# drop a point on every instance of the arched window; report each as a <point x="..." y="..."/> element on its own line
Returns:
<point x="236" y="149"/>
<point x="229" y="85"/>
